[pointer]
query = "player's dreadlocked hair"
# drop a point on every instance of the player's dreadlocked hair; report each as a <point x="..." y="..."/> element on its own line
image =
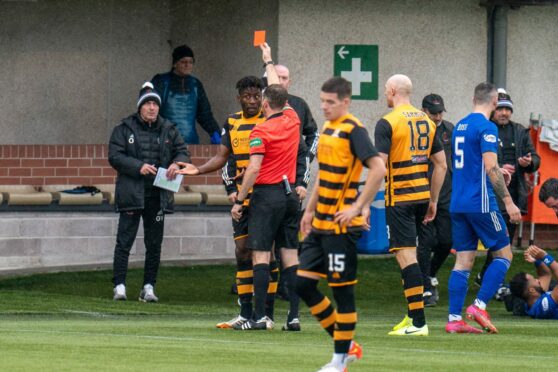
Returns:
<point x="518" y="285"/>
<point x="249" y="82"/>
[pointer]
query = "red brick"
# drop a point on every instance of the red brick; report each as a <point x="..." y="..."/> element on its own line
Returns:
<point x="42" y="172"/>
<point x="197" y="180"/>
<point x="38" y="150"/>
<point x="82" y="151"/>
<point x="90" y="172"/>
<point x="3" y="172"/>
<point x="29" y="151"/>
<point x="198" y="161"/>
<point x="56" y="163"/>
<point x="51" y="151"/>
<point x="59" y="151"/>
<point x="110" y="172"/>
<point x="213" y="180"/>
<point x="35" y="181"/>
<point x="14" y="151"/>
<point x="79" y="162"/>
<point x="100" y="162"/>
<point x="85" y="181"/>
<point x="10" y="181"/>
<point x="7" y="163"/>
<point x="61" y="172"/>
<point x="90" y="151"/>
<point x="56" y="181"/>
<point x="102" y="180"/>
<point x="19" y="172"/>
<point x="32" y="163"/>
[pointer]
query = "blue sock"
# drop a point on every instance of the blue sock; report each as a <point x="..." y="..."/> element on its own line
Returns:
<point x="493" y="278"/>
<point x="457" y="287"/>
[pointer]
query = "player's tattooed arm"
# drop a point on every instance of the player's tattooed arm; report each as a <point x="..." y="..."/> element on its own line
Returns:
<point x="498" y="182"/>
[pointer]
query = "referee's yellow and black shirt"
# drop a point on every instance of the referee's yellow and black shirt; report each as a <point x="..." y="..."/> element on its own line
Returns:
<point x="407" y="136"/>
<point x="236" y="137"/>
<point x="343" y="147"/>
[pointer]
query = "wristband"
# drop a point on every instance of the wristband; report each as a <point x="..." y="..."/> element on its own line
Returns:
<point x="239" y="202"/>
<point x="538" y="263"/>
<point x="267" y="63"/>
<point x="548" y="260"/>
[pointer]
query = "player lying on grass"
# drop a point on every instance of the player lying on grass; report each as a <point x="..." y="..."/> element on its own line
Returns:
<point x="540" y="302"/>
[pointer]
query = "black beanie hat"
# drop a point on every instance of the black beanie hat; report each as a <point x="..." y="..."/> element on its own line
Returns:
<point x="148" y="93"/>
<point x="180" y="52"/>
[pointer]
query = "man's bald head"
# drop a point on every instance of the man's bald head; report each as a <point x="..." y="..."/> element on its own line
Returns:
<point x="284" y="76"/>
<point x="401" y="83"/>
<point x="398" y="90"/>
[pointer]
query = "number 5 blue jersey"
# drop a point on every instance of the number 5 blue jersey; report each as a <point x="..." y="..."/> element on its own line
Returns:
<point x="472" y="191"/>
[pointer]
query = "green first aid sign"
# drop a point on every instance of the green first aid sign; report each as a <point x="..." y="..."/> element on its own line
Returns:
<point x="359" y="65"/>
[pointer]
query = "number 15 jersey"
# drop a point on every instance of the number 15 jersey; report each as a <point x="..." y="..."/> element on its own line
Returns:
<point x="471" y="188"/>
<point x="407" y="136"/>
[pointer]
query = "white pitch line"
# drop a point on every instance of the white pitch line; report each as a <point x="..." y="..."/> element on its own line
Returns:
<point x="220" y="341"/>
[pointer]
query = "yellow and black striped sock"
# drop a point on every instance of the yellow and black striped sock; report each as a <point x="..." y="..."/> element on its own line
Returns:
<point x="414" y="289"/>
<point x="271" y="289"/>
<point x="346" y="319"/>
<point x="320" y="306"/>
<point x="245" y="286"/>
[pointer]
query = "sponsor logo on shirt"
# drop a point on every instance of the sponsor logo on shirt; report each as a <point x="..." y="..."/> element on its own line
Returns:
<point x="255" y="142"/>
<point x="490" y="138"/>
<point x="419" y="159"/>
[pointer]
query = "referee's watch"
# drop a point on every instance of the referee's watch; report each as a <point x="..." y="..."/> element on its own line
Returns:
<point x="267" y="63"/>
<point x="239" y="202"/>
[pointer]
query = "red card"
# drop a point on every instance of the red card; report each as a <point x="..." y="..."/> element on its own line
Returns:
<point x="259" y="38"/>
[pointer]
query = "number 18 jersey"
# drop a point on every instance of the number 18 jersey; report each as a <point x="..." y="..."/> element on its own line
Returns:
<point x="472" y="191"/>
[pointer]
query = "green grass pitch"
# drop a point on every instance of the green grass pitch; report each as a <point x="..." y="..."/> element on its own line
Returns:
<point x="68" y="322"/>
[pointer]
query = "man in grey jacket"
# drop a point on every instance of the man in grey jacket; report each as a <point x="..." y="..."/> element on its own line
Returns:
<point x="138" y="146"/>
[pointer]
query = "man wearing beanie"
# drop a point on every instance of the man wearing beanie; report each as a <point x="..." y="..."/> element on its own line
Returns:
<point x="141" y="143"/>
<point x="183" y="98"/>
<point x="516" y="155"/>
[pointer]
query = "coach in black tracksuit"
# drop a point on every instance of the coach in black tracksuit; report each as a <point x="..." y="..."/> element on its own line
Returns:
<point x="138" y="146"/>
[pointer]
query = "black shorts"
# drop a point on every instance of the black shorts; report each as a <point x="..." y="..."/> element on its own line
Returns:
<point x="404" y="225"/>
<point x="331" y="256"/>
<point x="273" y="218"/>
<point x="240" y="227"/>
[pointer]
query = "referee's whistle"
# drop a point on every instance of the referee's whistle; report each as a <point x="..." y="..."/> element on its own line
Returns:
<point x="288" y="190"/>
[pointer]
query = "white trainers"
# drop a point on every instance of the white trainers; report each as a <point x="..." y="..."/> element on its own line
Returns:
<point x="237" y="321"/>
<point x="269" y="323"/>
<point x="119" y="293"/>
<point x="147" y="294"/>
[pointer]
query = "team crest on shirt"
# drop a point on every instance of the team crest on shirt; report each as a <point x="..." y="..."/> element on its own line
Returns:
<point x="131" y="139"/>
<point x="490" y="138"/>
<point x="544" y="304"/>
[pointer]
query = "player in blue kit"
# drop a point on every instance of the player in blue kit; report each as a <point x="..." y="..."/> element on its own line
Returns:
<point x="474" y="211"/>
<point x="540" y="302"/>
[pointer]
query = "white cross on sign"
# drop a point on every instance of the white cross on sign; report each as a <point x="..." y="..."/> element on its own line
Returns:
<point x="356" y="76"/>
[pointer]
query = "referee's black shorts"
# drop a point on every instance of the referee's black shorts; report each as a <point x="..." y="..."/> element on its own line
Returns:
<point x="273" y="218"/>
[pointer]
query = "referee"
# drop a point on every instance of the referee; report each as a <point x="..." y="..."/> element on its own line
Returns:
<point x="273" y="205"/>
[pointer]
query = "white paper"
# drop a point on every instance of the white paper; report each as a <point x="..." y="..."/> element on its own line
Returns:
<point x="163" y="182"/>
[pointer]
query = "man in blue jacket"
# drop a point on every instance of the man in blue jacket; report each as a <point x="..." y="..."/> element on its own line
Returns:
<point x="183" y="98"/>
<point x="140" y="144"/>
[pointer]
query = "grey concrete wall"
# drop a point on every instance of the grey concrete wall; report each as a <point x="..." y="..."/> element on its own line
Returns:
<point x="532" y="76"/>
<point x="439" y="44"/>
<point x="42" y="241"/>
<point x="221" y="34"/>
<point x="72" y="68"/>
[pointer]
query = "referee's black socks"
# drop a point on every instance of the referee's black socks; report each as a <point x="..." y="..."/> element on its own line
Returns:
<point x="290" y="278"/>
<point x="414" y="289"/>
<point x="261" y="284"/>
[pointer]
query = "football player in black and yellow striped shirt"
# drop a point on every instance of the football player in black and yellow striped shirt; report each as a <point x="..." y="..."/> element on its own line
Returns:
<point x="334" y="219"/>
<point x="405" y="139"/>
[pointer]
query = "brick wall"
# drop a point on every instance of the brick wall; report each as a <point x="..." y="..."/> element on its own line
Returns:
<point x="39" y="165"/>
